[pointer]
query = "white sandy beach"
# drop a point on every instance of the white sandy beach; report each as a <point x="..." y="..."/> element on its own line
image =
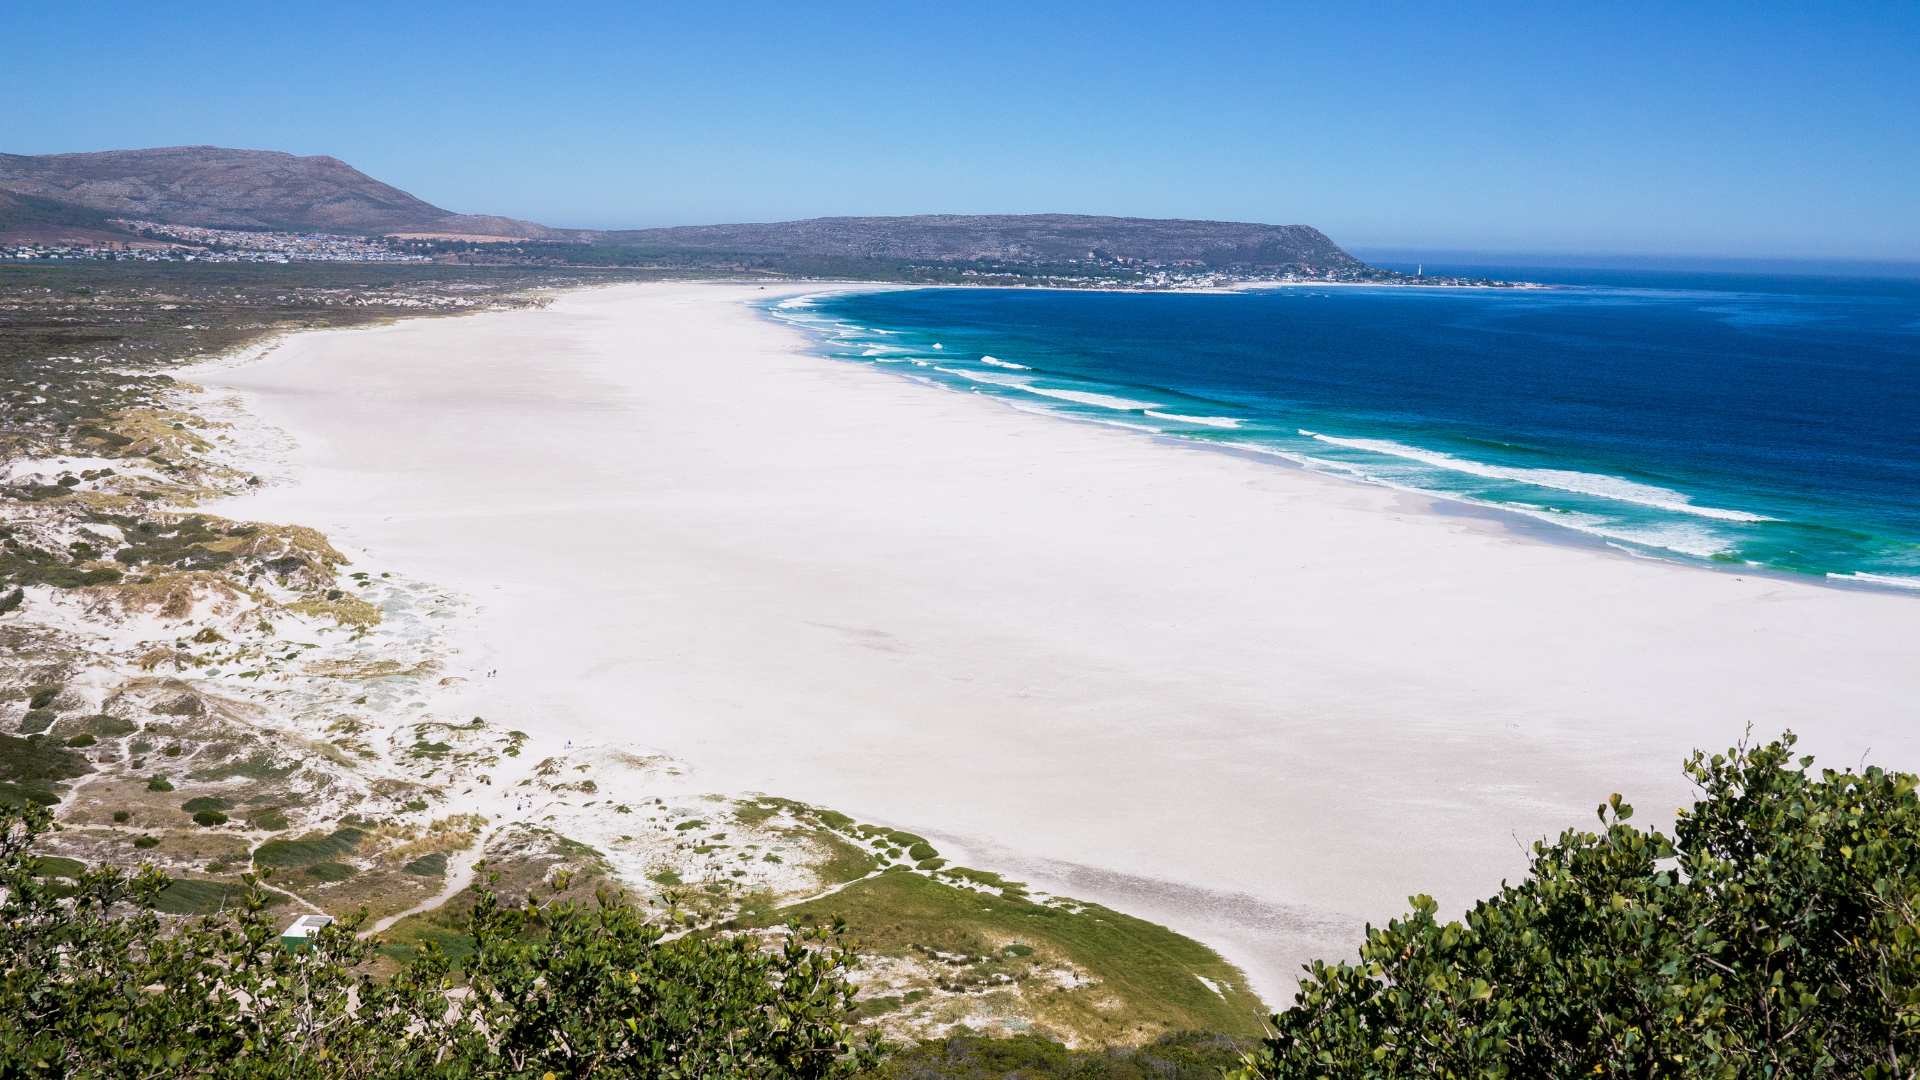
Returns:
<point x="1255" y="703"/>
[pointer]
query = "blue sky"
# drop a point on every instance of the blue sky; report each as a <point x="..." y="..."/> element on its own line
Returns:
<point x="1751" y="129"/>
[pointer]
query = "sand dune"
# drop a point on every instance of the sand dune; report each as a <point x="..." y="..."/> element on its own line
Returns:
<point x="1254" y="703"/>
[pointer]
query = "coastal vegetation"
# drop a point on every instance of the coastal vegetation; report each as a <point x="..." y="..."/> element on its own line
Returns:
<point x="225" y="718"/>
<point x="1775" y="932"/>
<point x="97" y="983"/>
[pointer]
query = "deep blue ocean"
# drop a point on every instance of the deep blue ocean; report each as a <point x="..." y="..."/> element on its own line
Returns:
<point x="1741" y="420"/>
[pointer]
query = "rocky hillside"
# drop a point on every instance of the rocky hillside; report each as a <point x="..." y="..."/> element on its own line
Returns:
<point x="1012" y="238"/>
<point x="215" y="186"/>
<point x="76" y="196"/>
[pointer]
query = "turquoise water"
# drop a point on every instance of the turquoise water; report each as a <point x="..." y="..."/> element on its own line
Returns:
<point x="1725" y="419"/>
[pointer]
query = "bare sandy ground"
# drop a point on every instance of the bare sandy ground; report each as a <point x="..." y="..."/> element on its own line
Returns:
<point x="1257" y="704"/>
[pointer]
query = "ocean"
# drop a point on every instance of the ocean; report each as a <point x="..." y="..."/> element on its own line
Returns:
<point x="1734" y="420"/>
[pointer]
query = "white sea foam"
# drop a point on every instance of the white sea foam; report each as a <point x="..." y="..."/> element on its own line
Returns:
<point x="1204" y="421"/>
<point x="1082" y="397"/>
<point x="987" y="377"/>
<point x="994" y="361"/>
<point x="1894" y="580"/>
<point x="1078" y="397"/>
<point x="1678" y="537"/>
<point x="1614" y="488"/>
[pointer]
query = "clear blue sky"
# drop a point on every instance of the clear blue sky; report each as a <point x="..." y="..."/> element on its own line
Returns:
<point x="1745" y="129"/>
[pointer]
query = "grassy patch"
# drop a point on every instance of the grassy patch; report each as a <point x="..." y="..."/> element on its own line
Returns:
<point x="430" y="865"/>
<point x="845" y="861"/>
<point x="330" y="871"/>
<point x="257" y="766"/>
<point x="12" y="794"/>
<point x="56" y="866"/>
<point x="32" y="769"/>
<point x="307" y="850"/>
<point x="1179" y="1056"/>
<point x="199" y="896"/>
<point x="205" y="802"/>
<point x="1144" y="976"/>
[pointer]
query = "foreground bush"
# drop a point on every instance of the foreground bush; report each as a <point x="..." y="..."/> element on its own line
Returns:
<point x="1773" y="935"/>
<point x="93" y="983"/>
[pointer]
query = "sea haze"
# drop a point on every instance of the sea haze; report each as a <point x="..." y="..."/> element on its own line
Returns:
<point x="1741" y="420"/>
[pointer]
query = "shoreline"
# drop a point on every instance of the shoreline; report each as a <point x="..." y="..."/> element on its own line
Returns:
<point x="1541" y="527"/>
<point x="1037" y="704"/>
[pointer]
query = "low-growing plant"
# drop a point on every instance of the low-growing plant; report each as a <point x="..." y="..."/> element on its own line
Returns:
<point x="98" y="985"/>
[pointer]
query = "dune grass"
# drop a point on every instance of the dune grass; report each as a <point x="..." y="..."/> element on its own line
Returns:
<point x="1146" y="978"/>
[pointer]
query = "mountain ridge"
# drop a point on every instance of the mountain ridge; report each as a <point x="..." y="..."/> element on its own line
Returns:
<point x="224" y="187"/>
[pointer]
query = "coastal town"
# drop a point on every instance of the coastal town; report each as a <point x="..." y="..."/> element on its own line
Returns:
<point x="166" y="243"/>
<point x="159" y="242"/>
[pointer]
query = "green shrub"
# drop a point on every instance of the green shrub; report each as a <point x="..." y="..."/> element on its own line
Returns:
<point x="1776" y="933"/>
<point x="205" y="802"/>
<point x="549" y="988"/>
<point x="921" y="851"/>
<point x="209" y="818"/>
<point x="158" y="783"/>
<point x="145" y="842"/>
<point x="109" y="727"/>
<point x="80" y="740"/>
<point x="121" y="817"/>
<point x="43" y="697"/>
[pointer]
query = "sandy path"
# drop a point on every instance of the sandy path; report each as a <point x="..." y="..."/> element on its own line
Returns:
<point x="1255" y="703"/>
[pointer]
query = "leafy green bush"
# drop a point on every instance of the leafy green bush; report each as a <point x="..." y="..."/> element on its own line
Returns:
<point x="96" y="984"/>
<point x="82" y="739"/>
<point x="1777" y="933"/>
<point x="207" y="819"/>
<point x="159" y="783"/>
<point x="205" y="802"/>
